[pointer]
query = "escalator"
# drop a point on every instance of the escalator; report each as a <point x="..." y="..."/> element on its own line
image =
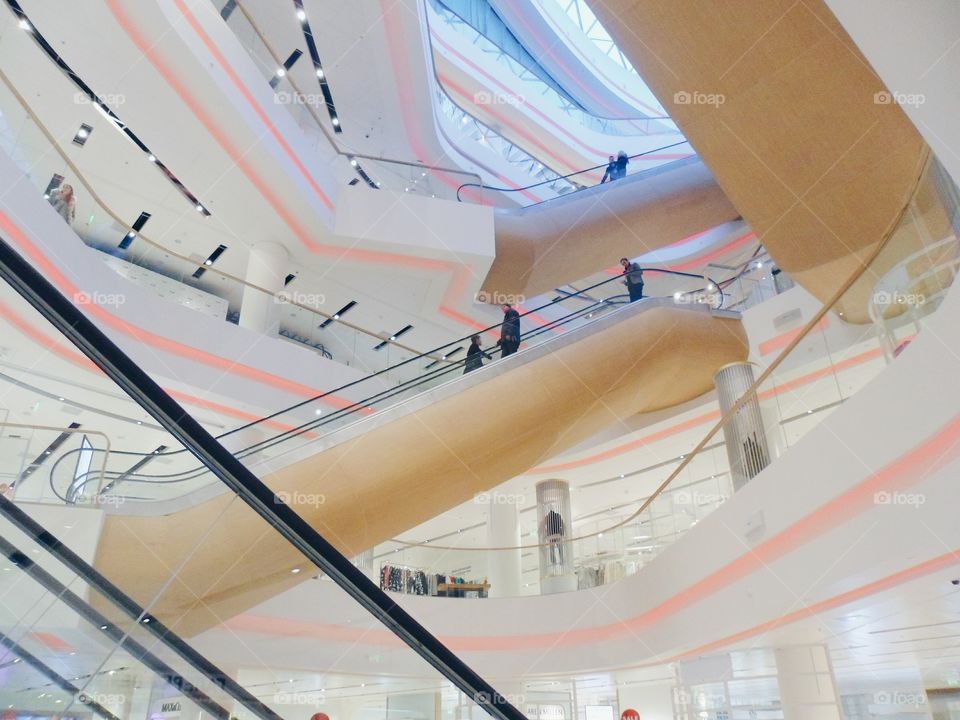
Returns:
<point x="385" y="464"/>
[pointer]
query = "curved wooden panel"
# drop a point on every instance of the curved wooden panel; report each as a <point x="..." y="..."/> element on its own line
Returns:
<point x="783" y="108"/>
<point x="560" y="241"/>
<point x="392" y="471"/>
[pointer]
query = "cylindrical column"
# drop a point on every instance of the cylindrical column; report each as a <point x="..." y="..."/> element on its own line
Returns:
<point x="554" y="530"/>
<point x="267" y="269"/>
<point x="744" y="434"/>
<point x="807" y="689"/>
<point x="503" y="530"/>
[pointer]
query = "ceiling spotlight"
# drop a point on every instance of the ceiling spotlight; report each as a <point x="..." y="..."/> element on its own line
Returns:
<point x="353" y="162"/>
<point x="25" y="24"/>
<point x="199" y="207"/>
<point x="320" y="73"/>
<point x="208" y="262"/>
<point x="295" y="571"/>
<point x="151" y="157"/>
<point x="281" y="72"/>
<point x="301" y="15"/>
<point x="82" y="133"/>
<point x="335" y="121"/>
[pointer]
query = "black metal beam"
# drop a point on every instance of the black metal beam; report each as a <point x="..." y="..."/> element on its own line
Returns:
<point x="55" y="677"/>
<point x="74" y="325"/>
<point x="128" y="606"/>
<point x="113" y="632"/>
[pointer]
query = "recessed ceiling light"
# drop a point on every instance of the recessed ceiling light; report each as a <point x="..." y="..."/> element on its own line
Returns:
<point x="335" y="121"/>
<point x="320" y="73"/>
<point x="151" y="157"/>
<point x="301" y="15"/>
<point x="295" y="571"/>
<point x="281" y="72"/>
<point x="199" y="207"/>
<point x="25" y="24"/>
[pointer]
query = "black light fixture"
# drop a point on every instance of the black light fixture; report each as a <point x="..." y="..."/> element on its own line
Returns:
<point x="445" y="357"/>
<point x="285" y="68"/>
<point x="48" y="451"/>
<point x="83" y="134"/>
<point x="405" y="329"/>
<point x="134" y="229"/>
<point x="209" y="261"/>
<point x="338" y="314"/>
<point x="317" y="66"/>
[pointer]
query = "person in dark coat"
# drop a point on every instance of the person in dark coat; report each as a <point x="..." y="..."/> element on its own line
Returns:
<point x="622" y="161"/>
<point x="509" y="341"/>
<point x="633" y="279"/>
<point x="611" y="172"/>
<point x="475" y="355"/>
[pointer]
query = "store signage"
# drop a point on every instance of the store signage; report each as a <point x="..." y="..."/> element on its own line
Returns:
<point x="629" y="714"/>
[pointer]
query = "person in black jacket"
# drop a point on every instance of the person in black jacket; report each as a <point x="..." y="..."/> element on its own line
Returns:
<point x="475" y="355"/>
<point x="633" y="279"/>
<point x="622" y="162"/>
<point x="611" y="172"/>
<point x="509" y="341"/>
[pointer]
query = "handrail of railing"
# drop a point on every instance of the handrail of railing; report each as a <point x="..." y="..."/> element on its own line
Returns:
<point x="862" y="266"/>
<point x="369" y="402"/>
<point x="569" y="175"/>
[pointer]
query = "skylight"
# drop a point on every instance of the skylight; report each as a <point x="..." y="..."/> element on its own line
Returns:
<point x="582" y="15"/>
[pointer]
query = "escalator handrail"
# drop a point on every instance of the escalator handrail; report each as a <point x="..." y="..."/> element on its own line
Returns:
<point x="564" y="177"/>
<point x="385" y="393"/>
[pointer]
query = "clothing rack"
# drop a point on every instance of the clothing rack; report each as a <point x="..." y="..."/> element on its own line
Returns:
<point x="410" y="580"/>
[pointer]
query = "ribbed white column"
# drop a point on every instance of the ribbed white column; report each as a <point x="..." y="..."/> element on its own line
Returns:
<point x="744" y="434"/>
<point x="554" y="519"/>
<point x="807" y="689"/>
<point x="267" y="269"/>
